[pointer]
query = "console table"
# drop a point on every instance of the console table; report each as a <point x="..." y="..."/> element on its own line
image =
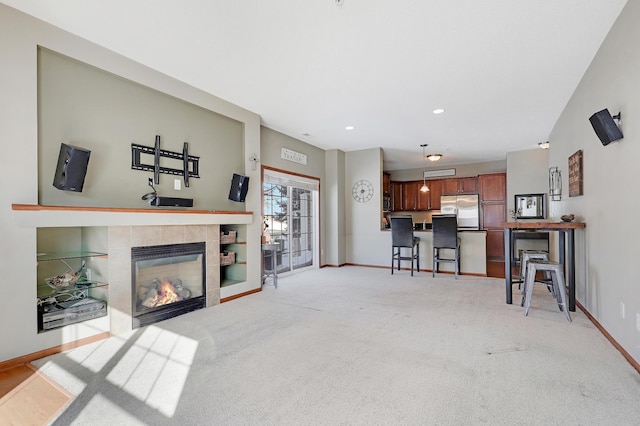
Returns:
<point x="566" y="243"/>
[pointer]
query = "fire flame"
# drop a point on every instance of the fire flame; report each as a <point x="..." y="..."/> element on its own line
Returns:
<point x="167" y="294"/>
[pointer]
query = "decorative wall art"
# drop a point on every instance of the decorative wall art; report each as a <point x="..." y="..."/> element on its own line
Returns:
<point x="575" y="174"/>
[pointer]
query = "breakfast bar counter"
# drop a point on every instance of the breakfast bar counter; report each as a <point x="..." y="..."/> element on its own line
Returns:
<point x="566" y="243"/>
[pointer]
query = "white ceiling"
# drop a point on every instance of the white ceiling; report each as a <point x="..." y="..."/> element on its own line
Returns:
<point x="503" y="69"/>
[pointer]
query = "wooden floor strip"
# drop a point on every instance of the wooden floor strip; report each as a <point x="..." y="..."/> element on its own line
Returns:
<point x="35" y="400"/>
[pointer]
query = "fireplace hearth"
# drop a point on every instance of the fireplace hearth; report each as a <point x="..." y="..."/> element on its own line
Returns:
<point x="167" y="281"/>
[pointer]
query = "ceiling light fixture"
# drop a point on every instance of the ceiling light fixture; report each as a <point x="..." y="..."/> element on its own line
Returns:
<point x="544" y="145"/>
<point x="349" y="128"/>
<point x="434" y="157"/>
<point x="438" y="110"/>
<point x="424" y="187"/>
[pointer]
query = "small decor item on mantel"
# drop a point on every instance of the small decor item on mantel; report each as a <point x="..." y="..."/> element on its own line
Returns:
<point x="568" y="217"/>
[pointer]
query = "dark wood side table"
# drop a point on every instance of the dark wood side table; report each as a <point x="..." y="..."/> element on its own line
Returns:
<point x="566" y="243"/>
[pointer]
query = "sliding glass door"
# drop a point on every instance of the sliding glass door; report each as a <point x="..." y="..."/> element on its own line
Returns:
<point x="291" y="219"/>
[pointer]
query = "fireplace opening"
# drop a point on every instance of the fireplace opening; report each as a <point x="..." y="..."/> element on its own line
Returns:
<point x="167" y="281"/>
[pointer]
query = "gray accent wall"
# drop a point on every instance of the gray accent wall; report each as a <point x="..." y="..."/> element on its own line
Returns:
<point x="21" y="37"/>
<point x="82" y="105"/>
<point x="608" y="254"/>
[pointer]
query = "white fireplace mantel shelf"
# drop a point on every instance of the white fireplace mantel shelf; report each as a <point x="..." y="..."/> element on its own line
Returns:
<point x="63" y="216"/>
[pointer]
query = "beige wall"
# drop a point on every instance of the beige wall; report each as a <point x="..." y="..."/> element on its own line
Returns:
<point x="607" y="274"/>
<point x="271" y="144"/>
<point x="462" y="170"/>
<point x="334" y="246"/>
<point x="527" y="173"/>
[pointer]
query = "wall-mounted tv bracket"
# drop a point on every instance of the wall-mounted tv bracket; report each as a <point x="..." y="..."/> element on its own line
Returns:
<point x="189" y="162"/>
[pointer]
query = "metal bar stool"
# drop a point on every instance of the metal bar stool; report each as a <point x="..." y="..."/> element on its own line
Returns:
<point x="525" y="256"/>
<point x="270" y="258"/>
<point x="557" y="277"/>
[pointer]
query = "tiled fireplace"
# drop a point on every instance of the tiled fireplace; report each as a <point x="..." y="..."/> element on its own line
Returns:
<point x="127" y="302"/>
<point x="167" y="281"/>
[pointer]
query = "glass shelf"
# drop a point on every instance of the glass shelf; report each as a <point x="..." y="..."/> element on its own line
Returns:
<point x="49" y="256"/>
<point x="79" y="285"/>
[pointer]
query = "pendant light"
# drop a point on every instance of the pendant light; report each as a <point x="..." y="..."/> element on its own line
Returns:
<point x="424" y="187"/>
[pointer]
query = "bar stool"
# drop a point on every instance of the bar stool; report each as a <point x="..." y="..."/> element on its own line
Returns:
<point x="525" y="256"/>
<point x="557" y="277"/>
<point x="270" y="257"/>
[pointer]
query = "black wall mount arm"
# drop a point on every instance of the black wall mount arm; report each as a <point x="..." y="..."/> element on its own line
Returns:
<point x="190" y="163"/>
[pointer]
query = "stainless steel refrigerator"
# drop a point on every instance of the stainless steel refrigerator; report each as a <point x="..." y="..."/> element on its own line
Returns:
<point x="465" y="207"/>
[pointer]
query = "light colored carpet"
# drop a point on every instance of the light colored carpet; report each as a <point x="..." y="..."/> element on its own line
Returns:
<point x="356" y="345"/>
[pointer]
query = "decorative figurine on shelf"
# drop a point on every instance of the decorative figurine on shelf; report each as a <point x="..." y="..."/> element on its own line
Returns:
<point x="515" y="213"/>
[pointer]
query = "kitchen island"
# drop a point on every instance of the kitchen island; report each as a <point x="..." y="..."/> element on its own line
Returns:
<point x="473" y="258"/>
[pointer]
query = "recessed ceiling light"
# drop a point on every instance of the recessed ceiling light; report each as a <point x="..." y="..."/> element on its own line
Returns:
<point x="349" y="128"/>
<point x="438" y="110"/>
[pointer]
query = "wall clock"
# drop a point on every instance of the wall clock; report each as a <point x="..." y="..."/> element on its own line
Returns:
<point x="362" y="191"/>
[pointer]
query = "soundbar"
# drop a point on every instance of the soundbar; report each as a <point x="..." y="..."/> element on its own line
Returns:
<point x="172" y="201"/>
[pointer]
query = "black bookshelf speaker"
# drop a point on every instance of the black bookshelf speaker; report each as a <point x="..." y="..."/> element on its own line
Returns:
<point x="72" y="168"/>
<point x="239" y="188"/>
<point x="605" y="127"/>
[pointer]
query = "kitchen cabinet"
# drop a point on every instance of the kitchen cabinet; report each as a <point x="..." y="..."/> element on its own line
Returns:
<point x="410" y="195"/>
<point x="423" y="201"/>
<point x="406" y="196"/>
<point x="435" y="191"/>
<point x="493" y="211"/>
<point x="429" y="200"/>
<point x="386" y="184"/>
<point x="466" y="185"/>
<point x="493" y="187"/>
<point x="396" y="196"/>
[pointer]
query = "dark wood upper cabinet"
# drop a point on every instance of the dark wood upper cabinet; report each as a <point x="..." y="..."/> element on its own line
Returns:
<point x="466" y="185"/>
<point x="396" y="195"/>
<point x="386" y="184"/>
<point x="410" y="195"/>
<point x="435" y="191"/>
<point x="493" y="187"/>
<point x="424" y="198"/>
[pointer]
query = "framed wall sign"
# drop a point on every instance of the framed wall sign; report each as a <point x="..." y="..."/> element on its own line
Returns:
<point x="575" y="174"/>
<point x="290" y="155"/>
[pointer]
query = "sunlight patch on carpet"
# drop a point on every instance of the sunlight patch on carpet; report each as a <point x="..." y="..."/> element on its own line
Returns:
<point x="155" y="368"/>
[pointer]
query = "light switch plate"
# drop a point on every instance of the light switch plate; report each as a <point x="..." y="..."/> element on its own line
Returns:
<point x="177" y="184"/>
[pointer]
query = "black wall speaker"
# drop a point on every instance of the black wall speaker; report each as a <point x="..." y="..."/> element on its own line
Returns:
<point x="239" y="188"/>
<point x="72" y="168"/>
<point x="605" y="127"/>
